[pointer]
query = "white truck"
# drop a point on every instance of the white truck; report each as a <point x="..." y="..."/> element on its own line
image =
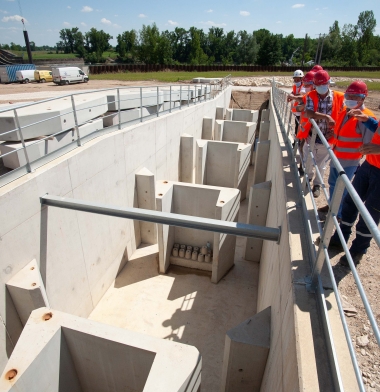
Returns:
<point x="25" y="76"/>
<point x="67" y="75"/>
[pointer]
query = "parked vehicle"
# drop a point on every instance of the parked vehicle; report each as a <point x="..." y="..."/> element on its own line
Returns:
<point x="25" y="76"/>
<point x="42" y="76"/>
<point x="67" y="75"/>
<point x="8" y="72"/>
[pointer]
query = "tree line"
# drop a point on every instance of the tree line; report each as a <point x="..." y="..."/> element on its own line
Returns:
<point x="349" y="45"/>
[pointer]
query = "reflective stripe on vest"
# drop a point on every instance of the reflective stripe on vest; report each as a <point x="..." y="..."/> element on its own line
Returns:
<point x="346" y="142"/>
<point x="337" y="105"/>
<point x="296" y="90"/>
<point x="372" y="159"/>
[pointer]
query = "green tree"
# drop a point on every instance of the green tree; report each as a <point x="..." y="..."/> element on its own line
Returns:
<point x="196" y="53"/>
<point x="96" y="43"/>
<point x="247" y="48"/>
<point x="164" y="49"/>
<point x="270" y="50"/>
<point x="149" y="41"/>
<point x="365" y="27"/>
<point x="127" y="44"/>
<point x="348" y="54"/>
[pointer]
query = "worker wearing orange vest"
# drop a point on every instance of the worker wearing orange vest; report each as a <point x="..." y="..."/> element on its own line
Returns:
<point x="367" y="185"/>
<point x="323" y="105"/>
<point x="349" y="135"/>
<point x="297" y="92"/>
<point x="304" y="124"/>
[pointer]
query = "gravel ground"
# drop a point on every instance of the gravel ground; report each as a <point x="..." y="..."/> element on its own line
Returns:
<point x="367" y="350"/>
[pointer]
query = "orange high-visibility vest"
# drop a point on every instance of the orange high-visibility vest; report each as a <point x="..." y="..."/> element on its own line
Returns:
<point x="346" y="141"/>
<point x="296" y="90"/>
<point x="337" y="106"/>
<point x="373" y="159"/>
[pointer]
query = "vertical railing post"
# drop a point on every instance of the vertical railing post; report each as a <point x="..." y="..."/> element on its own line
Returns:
<point x="28" y="167"/>
<point x="158" y="108"/>
<point x="141" y="105"/>
<point x="118" y="108"/>
<point x="76" y="121"/>
<point x="170" y="99"/>
<point x="188" y="95"/>
<point x="180" y="97"/>
<point x="308" y="162"/>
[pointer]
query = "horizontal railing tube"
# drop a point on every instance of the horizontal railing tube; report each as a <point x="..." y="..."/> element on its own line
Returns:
<point x="165" y="218"/>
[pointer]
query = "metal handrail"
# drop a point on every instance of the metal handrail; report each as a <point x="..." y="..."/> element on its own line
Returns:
<point x="322" y="256"/>
<point x="196" y="93"/>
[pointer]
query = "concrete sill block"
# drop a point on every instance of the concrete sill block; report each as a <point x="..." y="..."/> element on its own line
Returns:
<point x="59" y="352"/>
<point x="181" y="261"/>
<point x="234" y="131"/>
<point x="242" y="115"/>
<point x="27" y="291"/>
<point x="202" y="201"/>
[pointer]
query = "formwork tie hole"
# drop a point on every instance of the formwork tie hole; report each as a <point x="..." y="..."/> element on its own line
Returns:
<point x="11" y="374"/>
<point x="47" y="316"/>
<point x="34" y="284"/>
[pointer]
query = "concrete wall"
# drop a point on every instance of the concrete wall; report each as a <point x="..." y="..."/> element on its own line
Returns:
<point x="296" y="361"/>
<point x="80" y="254"/>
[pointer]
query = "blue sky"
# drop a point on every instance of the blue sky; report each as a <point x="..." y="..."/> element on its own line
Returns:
<point x="298" y="17"/>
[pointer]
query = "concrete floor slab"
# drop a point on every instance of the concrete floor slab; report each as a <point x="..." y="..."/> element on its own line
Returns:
<point x="183" y="305"/>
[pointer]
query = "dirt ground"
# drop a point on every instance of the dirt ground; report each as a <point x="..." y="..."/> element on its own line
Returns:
<point x="369" y="269"/>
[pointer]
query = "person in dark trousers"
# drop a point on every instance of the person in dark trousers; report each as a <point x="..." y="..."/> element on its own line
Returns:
<point x="367" y="185"/>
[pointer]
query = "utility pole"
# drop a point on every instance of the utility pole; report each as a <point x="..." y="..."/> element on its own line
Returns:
<point x="316" y="54"/>
<point x="27" y="43"/>
<point x="320" y="53"/>
<point x="304" y="50"/>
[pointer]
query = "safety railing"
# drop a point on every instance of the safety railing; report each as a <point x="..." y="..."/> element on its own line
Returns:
<point x="24" y="146"/>
<point x="319" y="252"/>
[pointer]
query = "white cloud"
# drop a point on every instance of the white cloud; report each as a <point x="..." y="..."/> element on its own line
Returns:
<point x="325" y="8"/>
<point x="209" y="11"/>
<point x="311" y="21"/>
<point x="142" y="16"/>
<point x="66" y="24"/>
<point x="83" y="24"/>
<point x="317" y="9"/>
<point x="172" y="23"/>
<point x="13" y="18"/>
<point x="298" y="5"/>
<point x="10" y="0"/>
<point x="86" y="8"/>
<point x="279" y="21"/>
<point x="69" y="7"/>
<point x="244" y="13"/>
<point x="211" y="23"/>
<point x="3" y="12"/>
<point x="116" y="26"/>
<point x="106" y="21"/>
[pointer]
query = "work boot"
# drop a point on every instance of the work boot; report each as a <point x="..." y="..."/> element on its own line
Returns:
<point x="335" y="245"/>
<point x="324" y="209"/>
<point x="316" y="190"/>
<point x="356" y="258"/>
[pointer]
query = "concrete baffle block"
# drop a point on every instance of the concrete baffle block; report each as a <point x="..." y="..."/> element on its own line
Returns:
<point x="146" y="199"/>
<point x="201" y="201"/>
<point x="186" y="158"/>
<point x="222" y="164"/>
<point x="207" y="128"/>
<point x="219" y="113"/>
<point x="259" y="196"/>
<point x="235" y="131"/>
<point x="264" y="131"/>
<point x="246" y="352"/>
<point x="261" y="161"/>
<point x="242" y="115"/>
<point x="61" y="352"/>
<point x="27" y="291"/>
<point x="265" y="115"/>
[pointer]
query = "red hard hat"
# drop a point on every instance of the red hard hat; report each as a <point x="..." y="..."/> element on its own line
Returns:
<point x="309" y="77"/>
<point x="357" y="87"/>
<point x="321" y="77"/>
<point x="317" y="68"/>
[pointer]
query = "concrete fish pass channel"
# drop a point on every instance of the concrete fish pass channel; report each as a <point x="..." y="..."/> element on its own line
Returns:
<point x="150" y="241"/>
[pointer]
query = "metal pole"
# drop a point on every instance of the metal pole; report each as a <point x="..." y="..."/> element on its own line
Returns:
<point x="157" y="100"/>
<point x="320" y="53"/>
<point x="76" y="121"/>
<point x="118" y="107"/>
<point x="141" y="106"/>
<point x="188" y="95"/>
<point x="166" y="218"/>
<point x="170" y="100"/>
<point x="316" y="54"/>
<point x="28" y="167"/>
<point x="180" y="97"/>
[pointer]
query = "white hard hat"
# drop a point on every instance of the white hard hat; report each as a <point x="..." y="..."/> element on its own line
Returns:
<point x="298" y="74"/>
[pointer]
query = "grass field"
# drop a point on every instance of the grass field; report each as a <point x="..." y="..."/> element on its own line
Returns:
<point x="177" y="76"/>
<point x="372" y="86"/>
